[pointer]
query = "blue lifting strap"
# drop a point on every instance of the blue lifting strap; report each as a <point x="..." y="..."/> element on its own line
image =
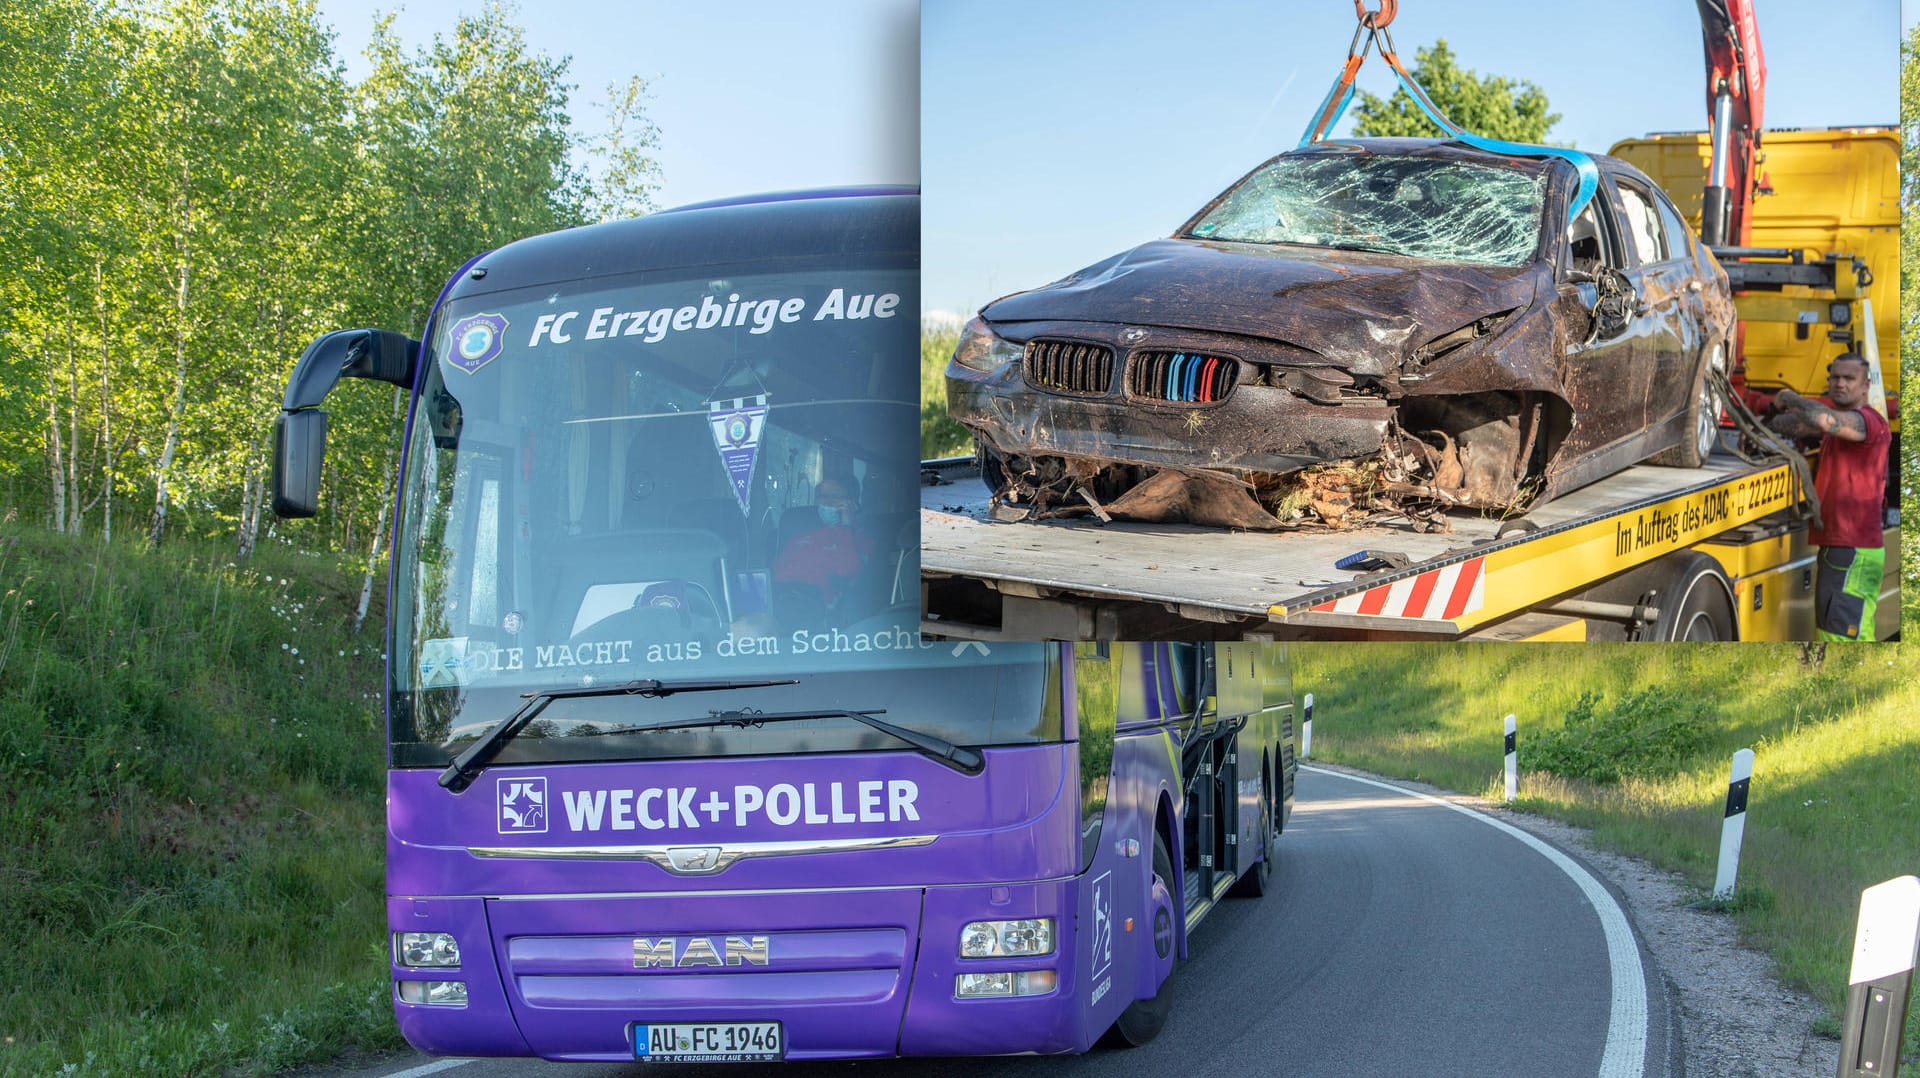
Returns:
<point x="1341" y="94"/>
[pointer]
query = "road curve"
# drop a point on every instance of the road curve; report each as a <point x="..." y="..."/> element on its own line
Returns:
<point x="1403" y="935"/>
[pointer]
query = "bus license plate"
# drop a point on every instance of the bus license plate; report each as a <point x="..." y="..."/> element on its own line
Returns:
<point x="708" y="1042"/>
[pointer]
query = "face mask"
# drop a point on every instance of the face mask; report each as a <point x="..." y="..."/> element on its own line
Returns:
<point x="831" y="514"/>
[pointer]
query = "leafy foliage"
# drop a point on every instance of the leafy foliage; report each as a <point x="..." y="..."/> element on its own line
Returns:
<point x="629" y="174"/>
<point x="1648" y="733"/>
<point x="190" y="191"/>
<point x="940" y="434"/>
<point x="1495" y="107"/>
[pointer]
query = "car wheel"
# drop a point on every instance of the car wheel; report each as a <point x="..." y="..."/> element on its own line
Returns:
<point x="993" y="467"/>
<point x="1254" y="883"/>
<point x="1703" y="417"/>
<point x="1143" y="1018"/>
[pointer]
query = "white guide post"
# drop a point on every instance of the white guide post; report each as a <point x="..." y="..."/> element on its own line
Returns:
<point x="1306" y="730"/>
<point x="1513" y="762"/>
<point x="1734" y="827"/>
<point x="1885" y="948"/>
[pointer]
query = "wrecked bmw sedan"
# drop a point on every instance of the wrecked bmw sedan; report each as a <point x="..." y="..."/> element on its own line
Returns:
<point x="1398" y="325"/>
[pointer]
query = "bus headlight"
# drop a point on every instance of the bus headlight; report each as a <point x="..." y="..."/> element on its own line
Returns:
<point x="434" y="993"/>
<point x="1007" y="939"/>
<point x="425" y="949"/>
<point x="1036" y="982"/>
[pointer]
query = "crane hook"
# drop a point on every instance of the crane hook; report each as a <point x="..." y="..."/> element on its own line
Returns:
<point x="1377" y="19"/>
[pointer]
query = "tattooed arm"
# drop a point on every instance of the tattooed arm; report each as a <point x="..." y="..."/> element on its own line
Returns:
<point x="1805" y="417"/>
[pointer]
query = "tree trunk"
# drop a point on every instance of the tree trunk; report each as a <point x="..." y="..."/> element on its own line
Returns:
<point x="75" y="511"/>
<point x="254" y="490"/>
<point x="157" y="529"/>
<point x="373" y="559"/>
<point x="106" y="403"/>
<point x="380" y="522"/>
<point x="54" y="466"/>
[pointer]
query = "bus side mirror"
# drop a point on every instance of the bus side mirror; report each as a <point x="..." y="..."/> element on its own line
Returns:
<point x="299" y="443"/>
<point x="380" y="354"/>
<point x="300" y="433"/>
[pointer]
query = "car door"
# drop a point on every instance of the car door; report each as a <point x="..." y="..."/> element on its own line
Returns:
<point x="1669" y="301"/>
<point x="1607" y="373"/>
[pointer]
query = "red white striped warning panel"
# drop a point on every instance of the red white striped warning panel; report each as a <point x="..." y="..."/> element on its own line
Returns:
<point x="1442" y="594"/>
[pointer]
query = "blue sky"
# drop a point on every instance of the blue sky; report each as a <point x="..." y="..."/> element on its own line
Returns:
<point x="749" y="95"/>
<point x="1053" y="135"/>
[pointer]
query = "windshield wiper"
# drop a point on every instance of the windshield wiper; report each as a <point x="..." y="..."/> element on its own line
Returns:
<point x="1371" y="247"/>
<point x="958" y="757"/>
<point x="467" y="766"/>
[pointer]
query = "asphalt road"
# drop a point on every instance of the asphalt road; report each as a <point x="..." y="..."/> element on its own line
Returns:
<point x="1402" y="937"/>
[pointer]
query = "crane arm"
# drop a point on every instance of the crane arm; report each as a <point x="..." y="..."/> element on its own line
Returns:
<point x="1736" y="95"/>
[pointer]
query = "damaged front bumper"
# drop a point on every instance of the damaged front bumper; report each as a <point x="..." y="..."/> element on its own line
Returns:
<point x="1249" y="444"/>
<point x="1257" y="428"/>
<point x="1161" y="397"/>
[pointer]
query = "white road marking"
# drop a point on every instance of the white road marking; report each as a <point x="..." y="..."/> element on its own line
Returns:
<point x="434" y="1067"/>
<point x="1625" y="1053"/>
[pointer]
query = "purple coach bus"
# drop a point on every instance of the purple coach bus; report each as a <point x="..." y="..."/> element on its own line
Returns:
<point x="674" y="774"/>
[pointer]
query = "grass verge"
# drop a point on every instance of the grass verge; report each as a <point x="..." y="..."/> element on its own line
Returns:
<point x="1836" y="742"/>
<point x="191" y="764"/>
<point x="940" y="435"/>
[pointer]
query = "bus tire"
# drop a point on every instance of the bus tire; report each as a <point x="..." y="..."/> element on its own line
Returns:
<point x="1696" y="604"/>
<point x="1253" y="883"/>
<point x="1143" y="1018"/>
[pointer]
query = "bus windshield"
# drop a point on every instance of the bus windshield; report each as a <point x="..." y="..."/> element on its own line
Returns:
<point x="698" y="474"/>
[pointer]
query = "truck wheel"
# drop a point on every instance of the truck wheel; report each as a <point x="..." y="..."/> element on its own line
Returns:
<point x="1695" y="602"/>
<point x="1703" y="418"/>
<point x="1142" y="1019"/>
<point x="1254" y="882"/>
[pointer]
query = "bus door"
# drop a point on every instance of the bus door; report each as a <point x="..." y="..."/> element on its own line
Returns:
<point x="1205" y="770"/>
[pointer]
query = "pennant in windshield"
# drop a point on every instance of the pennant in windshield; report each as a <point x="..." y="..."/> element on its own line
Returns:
<point x="737" y="425"/>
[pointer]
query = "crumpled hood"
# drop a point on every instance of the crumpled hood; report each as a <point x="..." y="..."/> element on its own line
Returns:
<point x="1362" y="311"/>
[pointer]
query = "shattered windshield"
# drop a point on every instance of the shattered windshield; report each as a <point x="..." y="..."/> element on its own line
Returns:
<point x="1421" y="207"/>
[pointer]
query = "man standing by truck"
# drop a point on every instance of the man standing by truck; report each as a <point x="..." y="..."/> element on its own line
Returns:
<point x="1851" y="481"/>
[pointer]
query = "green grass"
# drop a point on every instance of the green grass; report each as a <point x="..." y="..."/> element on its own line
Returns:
<point x="1833" y="804"/>
<point x="191" y="762"/>
<point x="940" y="436"/>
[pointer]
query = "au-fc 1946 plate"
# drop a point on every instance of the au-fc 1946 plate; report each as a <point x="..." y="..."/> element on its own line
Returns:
<point x="708" y="1042"/>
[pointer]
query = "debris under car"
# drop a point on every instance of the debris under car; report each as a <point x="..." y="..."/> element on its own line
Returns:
<point x="1355" y="331"/>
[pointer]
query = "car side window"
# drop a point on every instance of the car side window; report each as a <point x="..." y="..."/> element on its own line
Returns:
<point x="1587" y="244"/>
<point x="1679" y="236"/>
<point x="1644" y="230"/>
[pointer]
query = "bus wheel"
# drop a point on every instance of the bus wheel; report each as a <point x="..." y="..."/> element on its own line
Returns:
<point x="1254" y="883"/>
<point x="1142" y="1019"/>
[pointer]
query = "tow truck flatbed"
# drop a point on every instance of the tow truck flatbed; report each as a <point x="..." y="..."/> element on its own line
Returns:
<point x="1078" y="579"/>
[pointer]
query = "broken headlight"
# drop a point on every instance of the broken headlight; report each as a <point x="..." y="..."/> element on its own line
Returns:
<point x="1467" y="334"/>
<point x="981" y="349"/>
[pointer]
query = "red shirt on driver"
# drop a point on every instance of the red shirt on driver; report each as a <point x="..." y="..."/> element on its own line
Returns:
<point x="1851" y="481"/>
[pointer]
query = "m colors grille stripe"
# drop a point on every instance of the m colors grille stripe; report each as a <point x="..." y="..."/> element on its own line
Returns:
<point x="1184" y="377"/>
<point x="1070" y="366"/>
